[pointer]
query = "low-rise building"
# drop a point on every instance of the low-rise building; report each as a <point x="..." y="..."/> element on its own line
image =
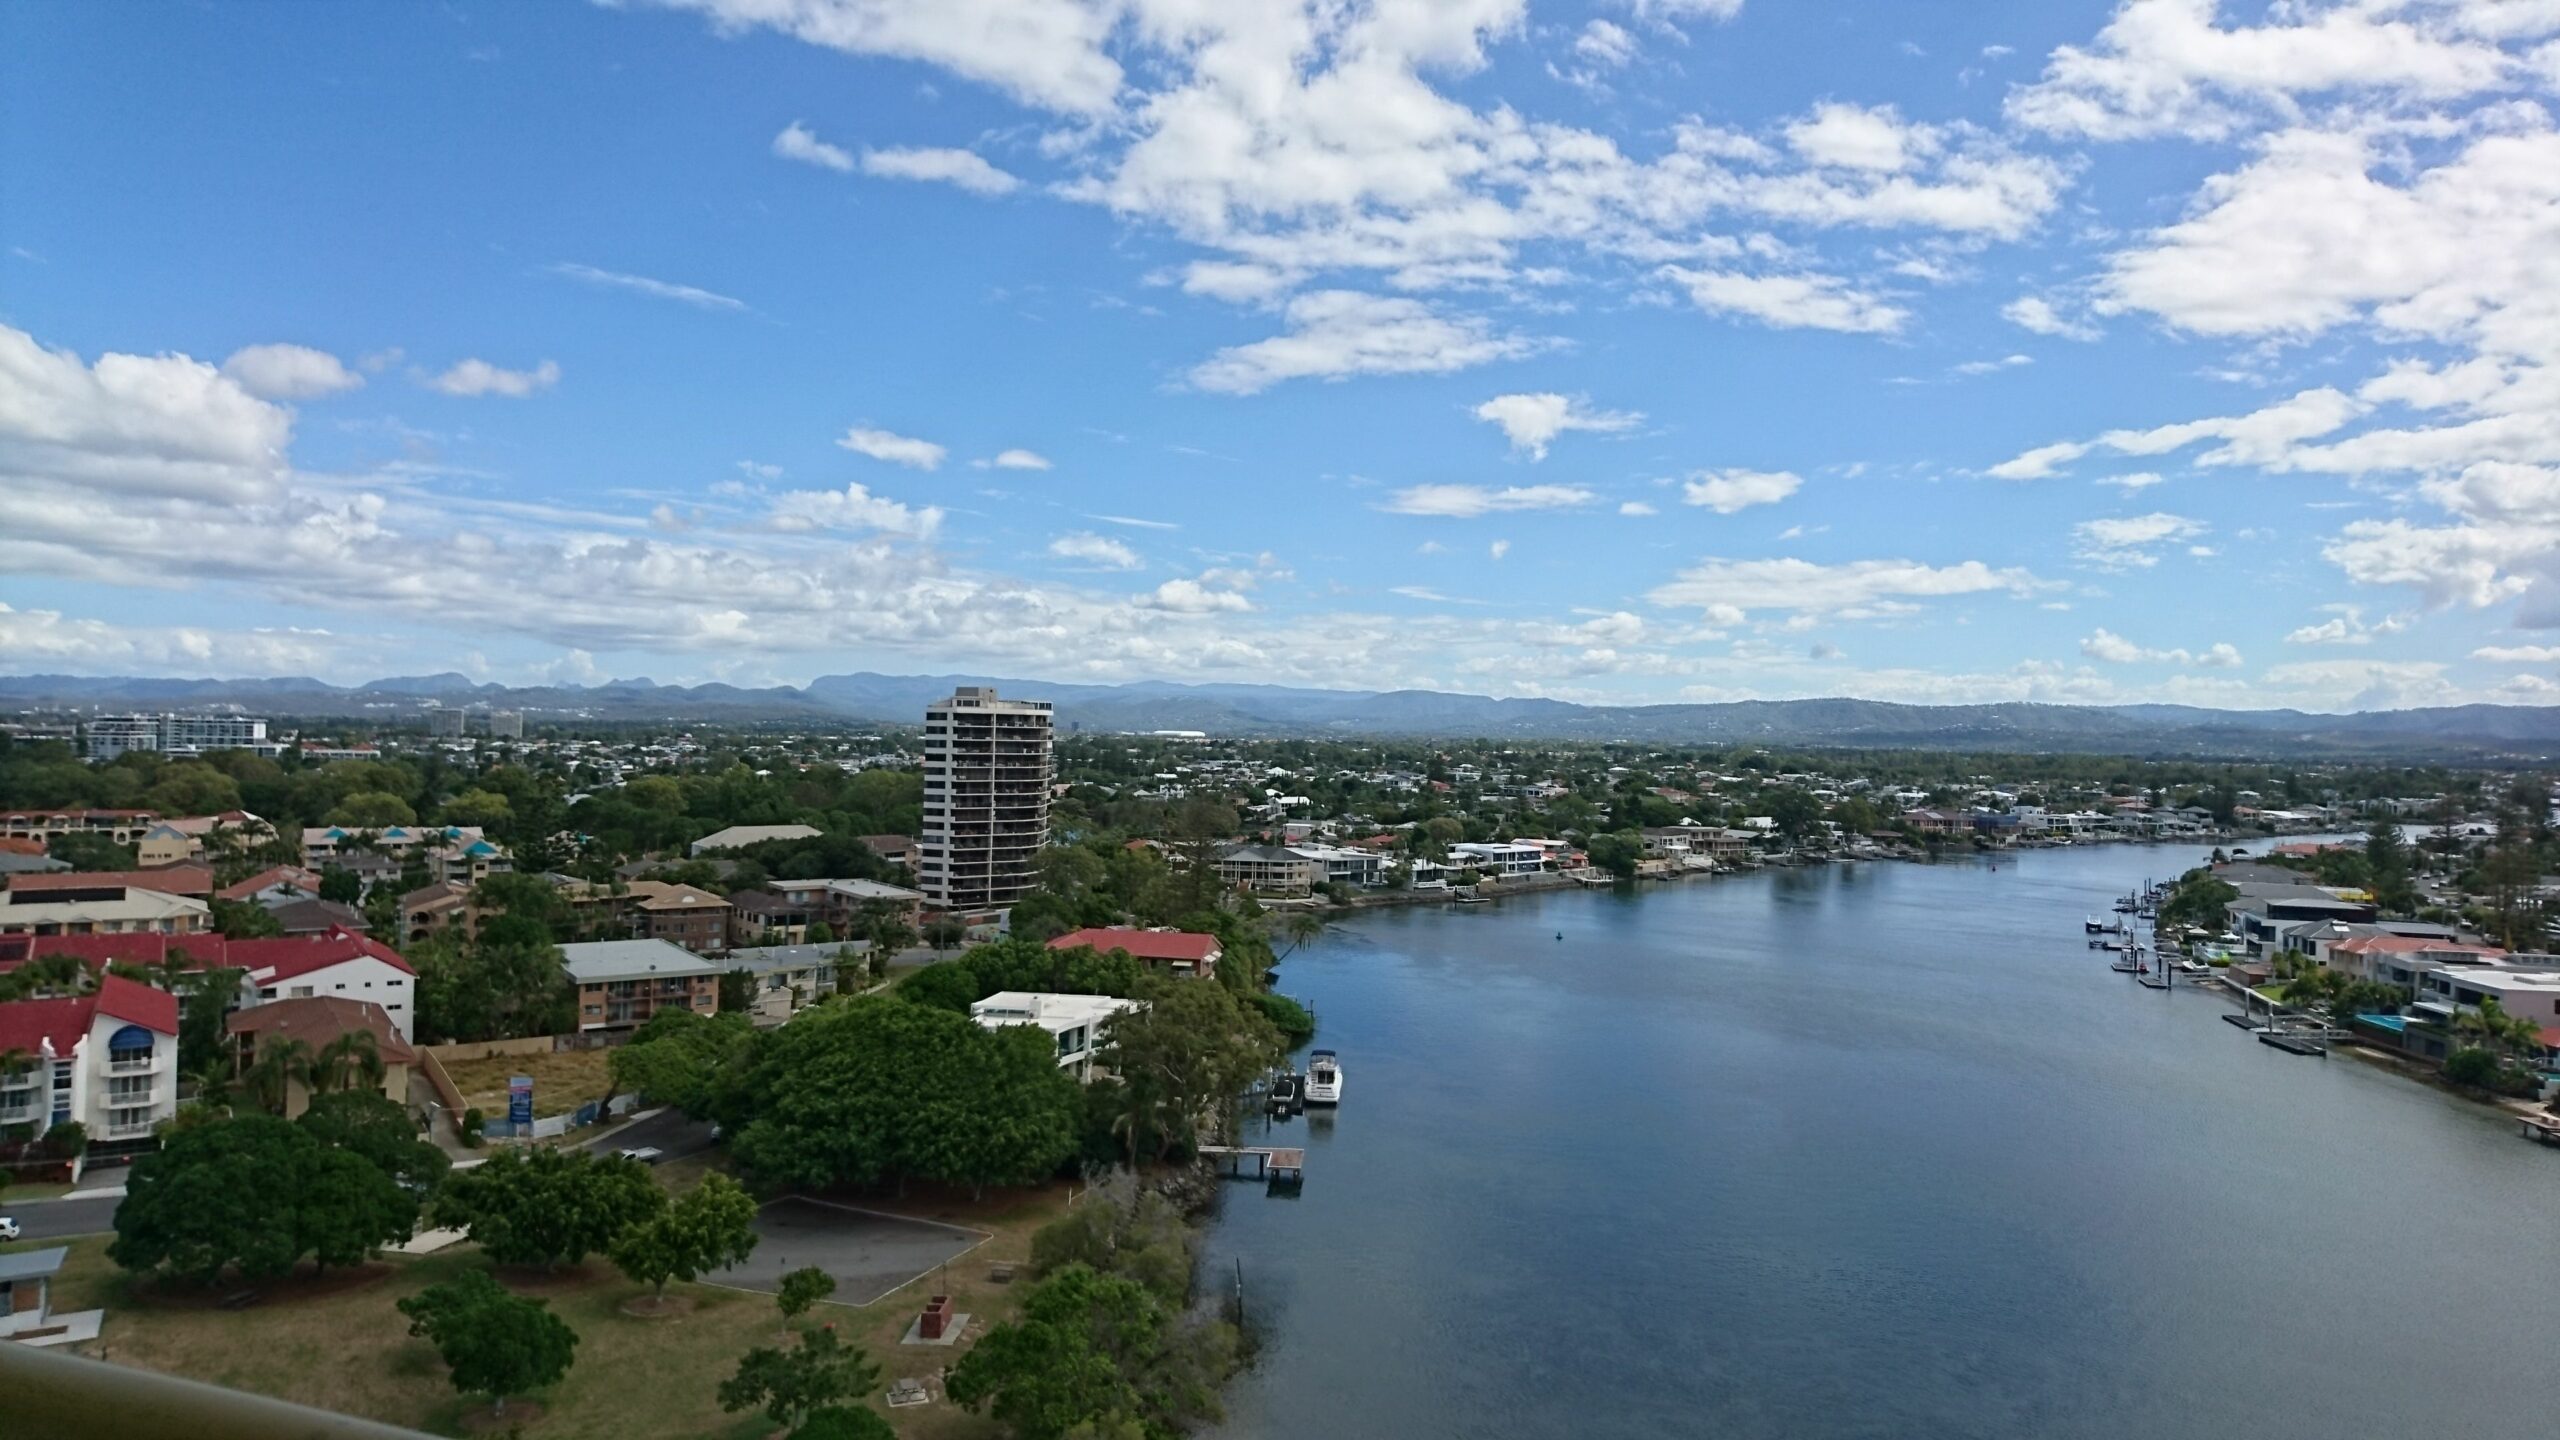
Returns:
<point x="1269" y="870"/>
<point x="760" y="917"/>
<point x="1175" y="952"/>
<point x="102" y="910"/>
<point x="790" y="978"/>
<point x="322" y="1023"/>
<point x="434" y="909"/>
<point x="739" y="837"/>
<point x="682" y="914"/>
<point x="1078" y="1025"/>
<point x="847" y="905"/>
<point x="1504" y="858"/>
<point x="193" y="881"/>
<point x="621" y="983"/>
<point x="108" y="1060"/>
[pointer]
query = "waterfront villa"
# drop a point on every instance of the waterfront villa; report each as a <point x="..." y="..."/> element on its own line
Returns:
<point x="1078" y="1024"/>
<point x="1173" y="952"/>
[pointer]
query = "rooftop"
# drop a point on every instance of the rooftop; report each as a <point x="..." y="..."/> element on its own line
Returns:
<point x="596" y="961"/>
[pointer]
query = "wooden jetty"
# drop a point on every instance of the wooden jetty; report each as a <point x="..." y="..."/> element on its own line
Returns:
<point x="2545" y="1128"/>
<point x="1275" y="1162"/>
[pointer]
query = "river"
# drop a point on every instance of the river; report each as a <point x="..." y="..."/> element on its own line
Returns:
<point x="1875" y="1150"/>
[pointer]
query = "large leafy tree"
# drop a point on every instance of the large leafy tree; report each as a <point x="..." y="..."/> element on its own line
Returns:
<point x="876" y="1089"/>
<point x="1182" y="1057"/>
<point x="378" y="1130"/>
<point x="254" y="1194"/>
<point x="710" y="1227"/>
<point x="545" y="1206"/>
<point x="1091" y="1349"/>
<point x="790" y="1385"/>
<point x="495" y="1343"/>
<point x="677" y="1057"/>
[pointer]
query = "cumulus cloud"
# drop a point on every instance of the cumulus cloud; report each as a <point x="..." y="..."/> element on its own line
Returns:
<point x="1334" y="334"/>
<point x="1014" y="460"/>
<point x="1533" y="421"/>
<point x="2132" y="541"/>
<point x="52" y="641"/>
<point x="1043" y="52"/>
<point x="1729" y="590"/>
<point x="289" y="372"/>
<point x="1636" y="507"/>
<point x="1100" y="551"/>
<point x="2346" y="626"/>
<point x="964" y="168"/>
<point x="1728" y="491"/>
<point x="1789" y="301"/>
<point x="2113" y="649"/>
<point x="852" y="508"/>
<point x="479" y="377"/>
<point x="2035" y="313"/>
<point x="1197" y="597"/>
<point x="798" y="142"/>
<point x="893" y="447"/>
<point x="1469" y="501"/>
<point x="2518" y="654"/>
<point x="145" y="424"/>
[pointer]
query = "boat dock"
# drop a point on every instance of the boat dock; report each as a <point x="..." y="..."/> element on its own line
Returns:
<point x="2545" y="1128"/>
<point x="1282" y="1163"/>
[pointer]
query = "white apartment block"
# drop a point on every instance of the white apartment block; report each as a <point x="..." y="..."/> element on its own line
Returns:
<point x="987" y="772"/>
<point x="113" y="735"/>
<point x="108" y="1060"/>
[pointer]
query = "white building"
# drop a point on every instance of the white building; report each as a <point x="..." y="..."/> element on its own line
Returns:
<point x="108" y="1060"/>
<point x="110" y="910"/>
<point x="987" y="772"/>
<point x="1366" y="869"/>
<point x="1511" y="858"/>
<point x="739" y="837"/>
<point x="113" y="735"/>
<point x="1079" y="1024"/>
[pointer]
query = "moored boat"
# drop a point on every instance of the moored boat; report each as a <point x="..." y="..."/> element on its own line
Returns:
<point x="1324" y="1078"/>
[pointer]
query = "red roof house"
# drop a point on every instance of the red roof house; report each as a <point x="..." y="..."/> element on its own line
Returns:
<point x="1183" y="952"/>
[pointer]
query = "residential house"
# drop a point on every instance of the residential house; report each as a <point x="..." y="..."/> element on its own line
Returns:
<point x="165" y="844"/>
<point x="1175" y="952"/>
<point x="693" y="918"/>
<point x="320" y="1022"/>
<point x="108" y="1060"/>
<point x="279" y="882"/>
<point x="434" y="909"/>
<point x="848" y="905"/>
<point x="621" y="983"/>
<point x="760" y="917"/>
<point x="341" y="963"/>
<point x="1347" y="865"/>
<point x="739" y="837"/>
<point x="123" y="827"/>
<point x="309" y="915"/>
<point x="1078" y="1025"/>
<point x="1269" y="870"/>
<point x="1504" y="858"/>
<point x="896" y="849"/>
<point x="789" y="978"/>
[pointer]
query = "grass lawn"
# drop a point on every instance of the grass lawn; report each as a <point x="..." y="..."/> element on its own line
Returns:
<point x="562" y="1080"/>
<point x="338" y="1343"/>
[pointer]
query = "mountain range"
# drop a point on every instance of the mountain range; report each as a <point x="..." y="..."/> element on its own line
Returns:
<point x="2523" y="732"/>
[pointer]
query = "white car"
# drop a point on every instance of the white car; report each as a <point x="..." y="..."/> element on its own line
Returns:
<point x="645" y="1154"/>
<point x="8" y="1228"/>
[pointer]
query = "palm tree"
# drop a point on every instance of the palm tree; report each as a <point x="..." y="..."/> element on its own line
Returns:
<point x="1299" y="929"/>
<point x="352" y="1057"/>
<point x="280" y="1064"/>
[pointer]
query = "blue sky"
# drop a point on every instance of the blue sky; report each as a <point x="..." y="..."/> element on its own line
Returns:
<point x="1652" y="350"/>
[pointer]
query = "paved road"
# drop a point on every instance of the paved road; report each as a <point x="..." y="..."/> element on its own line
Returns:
<point x="60" y="1219"/>
<point x="668" y="1130"/>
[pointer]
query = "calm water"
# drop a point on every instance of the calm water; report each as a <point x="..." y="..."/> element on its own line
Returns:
<point x="1879" y="1150"/>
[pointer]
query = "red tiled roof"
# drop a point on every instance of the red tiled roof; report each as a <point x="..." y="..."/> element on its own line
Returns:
<point x="1144" y="944"/>
<point x="28" y="1024"/>
<point x="137" y="1004"/>
<point x="287" y="957"/>
<point x="319" y="1019"/>
<point x="192" y="880"/>
<point x="273" y="875"/>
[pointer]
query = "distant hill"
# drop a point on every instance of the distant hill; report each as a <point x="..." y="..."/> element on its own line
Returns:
<point x="2523" y="732"/>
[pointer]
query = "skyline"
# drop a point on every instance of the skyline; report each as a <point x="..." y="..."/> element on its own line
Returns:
<point x="1674" y="350"/>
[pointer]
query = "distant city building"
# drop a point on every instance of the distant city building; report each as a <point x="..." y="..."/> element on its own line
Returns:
<point x="506" y="724"/>
<point x="987" y="769"/>
<point x="114" y="735"/>
<point x="444" y="722"/>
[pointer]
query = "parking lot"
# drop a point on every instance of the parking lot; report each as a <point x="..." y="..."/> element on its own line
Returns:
<point x="870" y="1254"/>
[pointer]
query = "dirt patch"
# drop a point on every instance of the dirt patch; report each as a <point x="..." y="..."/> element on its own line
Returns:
<point x="562" y="1080"/>
<point x="658" y="1307"/>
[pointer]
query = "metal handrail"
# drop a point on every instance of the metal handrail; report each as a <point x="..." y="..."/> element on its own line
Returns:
<point x="53" y="1394"/>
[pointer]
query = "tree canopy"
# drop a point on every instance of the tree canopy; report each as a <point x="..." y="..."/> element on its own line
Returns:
<point x="496" y="1344"/>
<point x="546" y="1206"/>
<point x="255" y="1194"/>
<point x="710" y="1227"/>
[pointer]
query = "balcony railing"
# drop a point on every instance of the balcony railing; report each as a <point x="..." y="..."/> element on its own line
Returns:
<point x="55" y="1394"/>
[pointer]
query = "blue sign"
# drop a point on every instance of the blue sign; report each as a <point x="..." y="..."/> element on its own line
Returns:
<point x="520" y="1103"/>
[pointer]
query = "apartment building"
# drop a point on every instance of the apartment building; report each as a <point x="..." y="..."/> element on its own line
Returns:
<point x="108" y="1060"/>
<point x="102" y="910"/>
<point x="987" y="773"/>
<point x="621" y="983"/>
<point x="112" y="735"/>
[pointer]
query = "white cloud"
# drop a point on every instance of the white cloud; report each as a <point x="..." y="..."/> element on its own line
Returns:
<point x="2131" y="542"/>
<point x="2165" y="66"/>
<point x="1636" y="507"/>
<point x="1338" y="333"/>
<point x="479" y="377"/>
<point x="1605" y="44"/>
<point x="1532" y="421"/>
<point x="2113" y="649"/>
<point x="2035" y="313"/>
<point x="2346" y="626"/>
<point x="1993" y="367"/>
<point x="1498" y="549"/>
<point x="1097" y="550"/>
<point x="1858" y="137"/>
<point x="289" y="372"/>
<point x="799" y="142"/>
<point x="852" y="508"/>
<point x="1728" y="491"/>
<point x="1014" y="460"/>
<point x="150" y="424"/>
<point x="1237" y="282"/>
<point x="1469" y="501"/>
<point x="964" y="168"/>
<point x="1684" y="9"/>
<point x="2133" y="484"/>
<point x="894" y="448"/>
<point x="1729" y="590"/>
<point x="1193" y="597"/>
<point x="642" y="284"/>
<point x="51" y="641"/>
<point x="2518" y="654"/>
<point x="1789" y="302"/>
<point x="2265" y="436"/>
<point x="1043" y="52"/>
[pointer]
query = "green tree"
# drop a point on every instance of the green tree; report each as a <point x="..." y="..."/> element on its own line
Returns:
<point x="1616" y="851"/>
<point x="244" y="920"/>
<point x="1090" y="1350"/>
<point x="801" y="1290"/>
<point x="842" y="1422"/>
<point x="496" y="1344"/>
<point x="679" y="1058"/>
<point x="377" y="1129"/>
<point x="710" y="1227"/>
<point x="1182" y="1057"/>
<point x="372" y="810"/>
<point x="789" y="1385"/>
<point x="482" y="808"/>
<point x="340" y="885"/>
<point x="254" y="1194"/>
<point x="548" y="1206"/>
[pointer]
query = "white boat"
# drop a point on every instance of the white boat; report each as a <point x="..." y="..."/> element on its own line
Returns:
<point x="1324" y="1078"/>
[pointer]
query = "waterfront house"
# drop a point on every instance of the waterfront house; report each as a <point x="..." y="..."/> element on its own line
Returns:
<point x="1503" y="858"/>
<point x="1269" y="870"/>
<point x="1078" y="1025"/>
<point x="1174" y="952"/>
<point x="1347" y="865"/>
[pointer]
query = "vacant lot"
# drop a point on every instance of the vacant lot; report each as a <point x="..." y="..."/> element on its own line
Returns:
<point x="338" y="1343"/>
<point x="562" y="1081"/>
<point x="869" y="1254"/>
